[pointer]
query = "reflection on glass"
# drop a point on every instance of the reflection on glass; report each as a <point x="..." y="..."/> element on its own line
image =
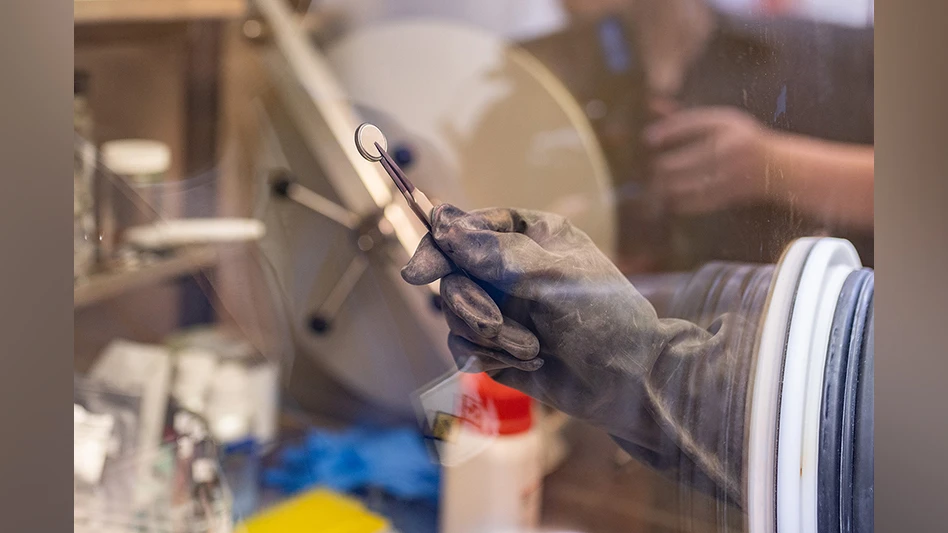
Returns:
<point x="690" y="145"/>
<point x="721" y="124"/>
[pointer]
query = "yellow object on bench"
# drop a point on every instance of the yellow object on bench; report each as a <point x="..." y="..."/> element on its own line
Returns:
<point x="317" y="511"/>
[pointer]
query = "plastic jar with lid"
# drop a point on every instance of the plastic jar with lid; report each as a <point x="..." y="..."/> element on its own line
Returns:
<point x="498" y="490"/>
<point x="141" y="161"/>
<point x="143" y="165"/>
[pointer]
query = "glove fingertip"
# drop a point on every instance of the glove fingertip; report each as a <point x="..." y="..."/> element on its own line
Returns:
<point x="427" y="265"/>
<point x="409" y="275"/>
<point x="415" y="276"/>
<point x="517" y="340"/>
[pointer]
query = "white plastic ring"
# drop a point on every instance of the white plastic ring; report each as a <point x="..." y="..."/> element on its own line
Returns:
<point x="827" y="266"/>
<point x="762" y="436"/>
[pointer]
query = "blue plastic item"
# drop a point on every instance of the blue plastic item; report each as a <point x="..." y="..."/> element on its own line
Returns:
<point x="393" y="460"/>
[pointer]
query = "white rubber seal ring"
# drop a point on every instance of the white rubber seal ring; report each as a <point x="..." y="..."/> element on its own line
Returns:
<point x="765" y="396"/>
<point x="827" y="266"/>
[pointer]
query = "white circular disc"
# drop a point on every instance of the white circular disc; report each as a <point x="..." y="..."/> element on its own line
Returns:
<point x="489" y="125"/>
<point x="839" y="269"/>
<point x="762" y="436"/>
<point x="827" y="266"/>
<point x="366" y="137"/>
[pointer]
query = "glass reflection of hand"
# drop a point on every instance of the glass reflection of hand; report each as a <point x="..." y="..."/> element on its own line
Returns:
<point x="708" y="159"/>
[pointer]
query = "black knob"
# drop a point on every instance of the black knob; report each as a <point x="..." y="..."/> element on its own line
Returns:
<point x="319" y="324"/>
<point x="280" y="181"/>
<point x="403" y="156"/>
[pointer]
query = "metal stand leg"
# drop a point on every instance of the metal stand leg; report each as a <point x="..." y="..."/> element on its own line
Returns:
<point x="321" y="321"/>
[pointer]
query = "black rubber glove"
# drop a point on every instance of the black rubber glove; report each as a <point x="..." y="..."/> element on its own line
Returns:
<point x="551" y="316"/>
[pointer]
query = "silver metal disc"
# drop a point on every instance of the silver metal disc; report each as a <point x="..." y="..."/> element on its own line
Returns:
<point x="366" y="136"/>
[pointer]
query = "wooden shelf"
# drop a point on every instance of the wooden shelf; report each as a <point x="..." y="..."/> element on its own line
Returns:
<point x="102" y="286"/>
<point x="108" y="11"/>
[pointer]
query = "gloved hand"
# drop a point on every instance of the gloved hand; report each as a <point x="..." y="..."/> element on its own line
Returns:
<point x="551" y="316"/>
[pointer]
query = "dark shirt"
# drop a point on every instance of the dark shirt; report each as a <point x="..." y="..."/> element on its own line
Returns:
<point x="803" y="77"/>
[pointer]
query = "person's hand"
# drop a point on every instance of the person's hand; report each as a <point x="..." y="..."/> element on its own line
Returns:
<point x="708" y="159"/>
<point x="551" y="316"/>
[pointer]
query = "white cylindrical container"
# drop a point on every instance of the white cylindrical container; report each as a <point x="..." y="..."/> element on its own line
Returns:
<point x="143" y="162"/>
<point x="194" y="373"/>
<point x="229" y="410"/>
<point x="143" y="165"/>
<point x="498" y="490"/>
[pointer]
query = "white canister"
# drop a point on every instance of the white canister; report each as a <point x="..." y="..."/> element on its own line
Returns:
<point x="229" y="407"/>
<point x="143" y="166"/>
<point x="499" y="489"/>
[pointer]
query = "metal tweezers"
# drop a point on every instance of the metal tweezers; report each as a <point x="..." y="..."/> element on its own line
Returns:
<point x="419" y="203"/>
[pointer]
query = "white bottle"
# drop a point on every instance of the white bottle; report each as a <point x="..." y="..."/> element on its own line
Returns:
<point x="498" y="490"/>
<point x="229" y="410"/>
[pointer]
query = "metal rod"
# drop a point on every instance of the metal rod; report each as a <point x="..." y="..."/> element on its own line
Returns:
<point x="322" y="205"/>
<point x="344" y="287"/>
<point x="313" y="73"/>
<point x="328" y="131"/>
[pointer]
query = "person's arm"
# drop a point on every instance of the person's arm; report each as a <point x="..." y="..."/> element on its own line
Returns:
<point x="830" y="180"/>
<point x="708" y="159"/>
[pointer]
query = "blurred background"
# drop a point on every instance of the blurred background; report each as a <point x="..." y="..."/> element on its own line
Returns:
<point x="247" y="357"/>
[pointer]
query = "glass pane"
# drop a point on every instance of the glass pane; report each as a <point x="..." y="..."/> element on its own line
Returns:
<point x="642" y="300"/>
